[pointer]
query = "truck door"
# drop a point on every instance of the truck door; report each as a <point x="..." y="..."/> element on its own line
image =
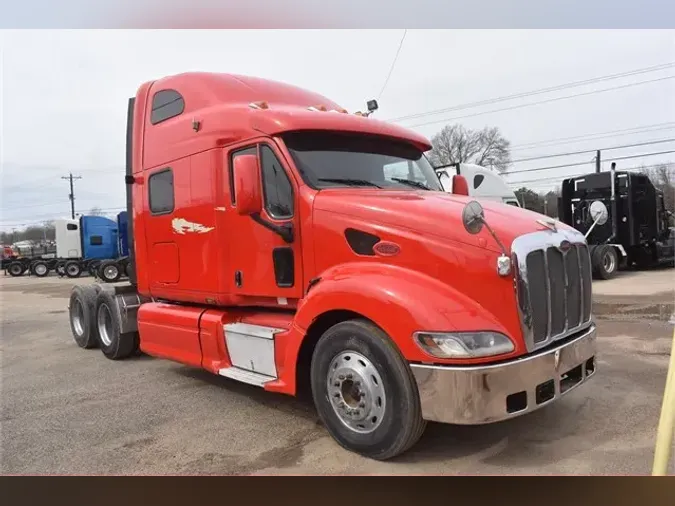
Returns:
<point x="263" y="264"/>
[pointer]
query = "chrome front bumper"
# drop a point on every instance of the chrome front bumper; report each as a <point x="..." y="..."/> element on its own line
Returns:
<point x="489" y="393"/>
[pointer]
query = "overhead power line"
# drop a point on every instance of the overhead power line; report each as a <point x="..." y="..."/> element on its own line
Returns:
<point x="593" y="150"/>
<point x="529" y="104"/>
<point x="573" y="84"/>
<point x="577" y="164"/>
<point x="566" y="176"/>
<point x="393" y="64"/>
<point x="670" y="125"/>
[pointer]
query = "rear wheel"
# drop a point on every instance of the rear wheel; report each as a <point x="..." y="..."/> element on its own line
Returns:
<point x="605" y="261"/>
<point x="15" y="269"/>
<point x="40" y="268"/>
<point x="109" y="271"/>
<point x="364" y="391"/>
<point x="82" y="311"/>
<point x="73" y="269"/>
<point x="113" y="343"/>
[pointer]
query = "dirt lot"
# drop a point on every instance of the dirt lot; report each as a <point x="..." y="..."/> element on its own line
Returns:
<point x="70" y="411"/>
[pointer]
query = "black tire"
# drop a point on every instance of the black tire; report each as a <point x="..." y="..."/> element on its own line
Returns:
<point x="109" y="271"/>
<point x="73" y="269"/>
<point x="16" y="269"/>
<point x="605" y="262"/>
<point x="129" y="270"/>
<point x="39" y="268"/>
<point x="113" y="344"/>
<point x="82" y="316"/>
<point x="400" y="423"/>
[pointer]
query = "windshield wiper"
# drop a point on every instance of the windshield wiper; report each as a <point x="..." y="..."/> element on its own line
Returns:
<point x="348" y="181"/>
<point x="410" y="182"/>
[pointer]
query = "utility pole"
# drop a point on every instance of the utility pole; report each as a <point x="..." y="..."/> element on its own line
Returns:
<point x="597" y="161"/>
<point x="72" y="193"/>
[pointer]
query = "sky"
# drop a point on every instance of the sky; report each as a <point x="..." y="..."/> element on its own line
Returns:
<point x="63" y="95"/>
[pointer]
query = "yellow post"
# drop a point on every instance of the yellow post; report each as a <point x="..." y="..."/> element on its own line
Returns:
<point x="664" y="435"/>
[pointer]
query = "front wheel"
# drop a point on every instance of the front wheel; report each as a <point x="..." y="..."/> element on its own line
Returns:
<point x="15" y="269"/>
<point x="364" y="391"/>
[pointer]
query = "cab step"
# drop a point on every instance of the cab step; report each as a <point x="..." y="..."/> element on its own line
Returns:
<point x="250" y="377"/>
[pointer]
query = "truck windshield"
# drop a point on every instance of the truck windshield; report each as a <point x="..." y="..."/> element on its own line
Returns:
<point x="329" y="159"/>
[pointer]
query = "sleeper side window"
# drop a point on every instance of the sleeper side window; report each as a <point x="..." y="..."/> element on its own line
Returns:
<point x="160" y="188"/>
<point x="166" y="104"/>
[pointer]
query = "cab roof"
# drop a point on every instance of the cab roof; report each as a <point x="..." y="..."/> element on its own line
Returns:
<point x="239" y="105"/>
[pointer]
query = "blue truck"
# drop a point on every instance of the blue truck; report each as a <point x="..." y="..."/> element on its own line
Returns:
<point x="112" y="269"/>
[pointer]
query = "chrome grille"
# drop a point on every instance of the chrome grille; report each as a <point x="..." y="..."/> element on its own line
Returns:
<point x="553" y="285"/>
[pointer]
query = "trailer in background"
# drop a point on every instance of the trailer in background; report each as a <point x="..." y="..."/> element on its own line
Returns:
<point x="26" y="256"/>
<point x="623" y="217"/>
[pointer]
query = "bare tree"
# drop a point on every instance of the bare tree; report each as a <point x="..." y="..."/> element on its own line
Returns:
<point x="95" y="211"/>
<point x="663" y="178"/>
<point x="456" y="144"/>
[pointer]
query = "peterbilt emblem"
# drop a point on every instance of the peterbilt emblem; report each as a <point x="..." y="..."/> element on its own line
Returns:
<point x="550" y="224"/>
<point x="556" y="359"/>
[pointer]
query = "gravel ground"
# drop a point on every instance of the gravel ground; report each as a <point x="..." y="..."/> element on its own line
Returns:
<point x="71" y="411"/>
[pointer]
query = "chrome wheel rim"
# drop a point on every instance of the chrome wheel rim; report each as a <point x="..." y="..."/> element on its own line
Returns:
<point x="104" y="319"/>
<point x="77" y="316"/>
<point x="608" y="262"/>
<point x="15" y="269"/>
<point x="40" y="269"/>
<point x="110" y="271"/>
<point x="72" y="269"/>
<point x="356" y="392"/>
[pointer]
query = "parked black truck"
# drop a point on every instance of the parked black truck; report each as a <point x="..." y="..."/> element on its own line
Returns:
<point x="623" y="217"/>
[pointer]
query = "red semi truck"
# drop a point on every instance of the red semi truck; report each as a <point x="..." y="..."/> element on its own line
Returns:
<point x="273" y="241"/>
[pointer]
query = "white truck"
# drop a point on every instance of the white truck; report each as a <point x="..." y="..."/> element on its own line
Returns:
<point x="483" y="183"/>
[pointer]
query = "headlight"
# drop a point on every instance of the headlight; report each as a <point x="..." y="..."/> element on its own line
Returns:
<point x="463" y="344"/>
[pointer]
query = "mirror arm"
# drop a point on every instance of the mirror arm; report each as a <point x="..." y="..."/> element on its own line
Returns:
<point x="494" y="236"/>
<point x="588" y="232"/>
<point x="285" y="231"/>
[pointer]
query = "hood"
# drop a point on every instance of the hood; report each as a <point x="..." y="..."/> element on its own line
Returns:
<point x="433" y="213"/>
